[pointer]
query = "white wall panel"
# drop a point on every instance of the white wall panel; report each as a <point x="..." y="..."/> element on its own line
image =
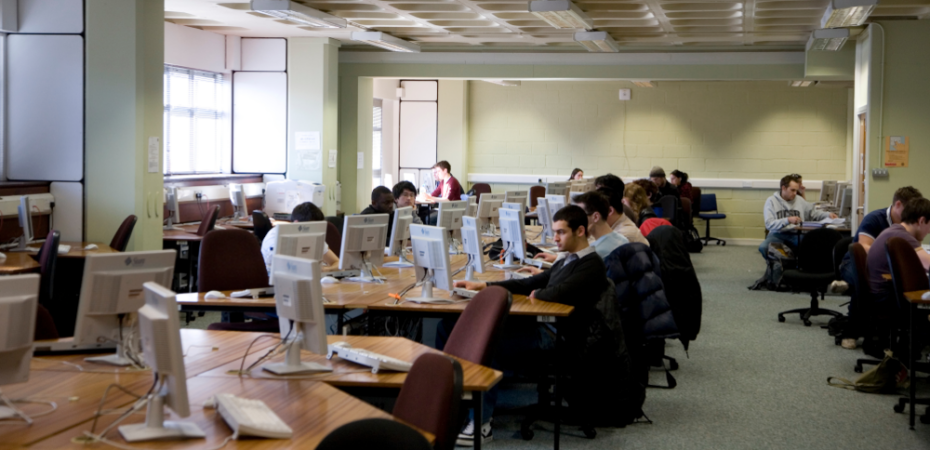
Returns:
<point x="233" y="53"/>
<point x="45" y="105"/>
<point x="264" y="54"/>
<point x="51" y="16"/>
<point x="194" y="49"/>
<point x="259" y="122"/>
<point x="68" y="213"/>
<point x="420" y="90"/>
<point x="418" y="134"/>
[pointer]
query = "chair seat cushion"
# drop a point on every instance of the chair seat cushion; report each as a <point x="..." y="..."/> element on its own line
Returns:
<point x="712" y="216"/>
<point x="805" y="280"/>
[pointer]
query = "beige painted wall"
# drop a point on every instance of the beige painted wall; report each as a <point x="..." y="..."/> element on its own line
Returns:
<point x="758" y="130"/>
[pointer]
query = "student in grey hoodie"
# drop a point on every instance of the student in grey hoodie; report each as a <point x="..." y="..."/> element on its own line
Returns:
<point x="787" y="208"/>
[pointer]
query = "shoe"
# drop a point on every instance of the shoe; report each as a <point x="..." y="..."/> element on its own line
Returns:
<point x="849" y="343"/>
<point x="838" y="287"/>
<point x="467" y="436"/>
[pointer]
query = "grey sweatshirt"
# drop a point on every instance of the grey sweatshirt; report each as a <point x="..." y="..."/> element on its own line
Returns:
<point x="778" y="210"/>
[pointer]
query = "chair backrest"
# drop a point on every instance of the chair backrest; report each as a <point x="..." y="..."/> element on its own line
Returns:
<point x="333" y="238"/>
<point x="383" y="434"/>
<point x="45" y="325"/>
<point x="695" y="201"/>
<point x="430" y="397"/>
<point x="708" y="202"/>
<point x="535" y="193"/>
<point x="669" y="205"/>
<point x="686" y="206"/>
<point x="123" y="233"/>
<point x="860" y="260"/>
<point x="907" y="272"/>
<point x="231" y="260"/>
<point x="481" y="188"/>
<point x="48" y="259"/>
<point x="839" y="252"/>
<point x="261" y="224"/>
<point x="476" y="332"/>
<point x="815" y="253"/>
<point x="208" y="221"/>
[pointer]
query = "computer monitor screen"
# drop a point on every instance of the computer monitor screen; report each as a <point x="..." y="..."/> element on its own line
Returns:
<point x="112" y="288"/>
<point x="544" y="217"/>
<point x="845" y="209"/>
<point x="513" y="233"/>
<point x="171" y="204"/>
<point x="558" y="188"/>
<point x="19" y="296"/>
<point x="400" y="230"/>
<point x="516" y="197"/>
<point x="488" y="205"/>
<point x="25" y="220"/>
<point x="302" y="240"/>
<point x="299" y="300"/>
<point x="472" y="245"/>
<point x="838" y="193"/>
<point x="450" y="214"/>
<point x="827" y="191"/>
<point x="556" y="202"/>
<point x="237" y="198"/>
<point x="363" y="239"/>
<point x="579" y="185"/>
<point x="430" y="252"/>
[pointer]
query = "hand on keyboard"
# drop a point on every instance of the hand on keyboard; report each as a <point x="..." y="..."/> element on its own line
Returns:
<point x="249" y="417"/>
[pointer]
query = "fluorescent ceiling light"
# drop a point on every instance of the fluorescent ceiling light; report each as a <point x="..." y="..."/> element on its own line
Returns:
<point x="847" y="13"/>
<point x="295" y="12"/>
<point x="830" y="39"/>
<point x="800" y="83"/>
<point x="597" y="41"/>
<point x="643" y="83"/>
<point x="508" y="83"/>
<point x="561" y="14"/>
<point x="385" y="41"/>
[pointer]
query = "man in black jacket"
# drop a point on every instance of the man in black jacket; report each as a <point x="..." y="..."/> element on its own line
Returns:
<point x="382" y="202"/>
<point x="577" y="278"/>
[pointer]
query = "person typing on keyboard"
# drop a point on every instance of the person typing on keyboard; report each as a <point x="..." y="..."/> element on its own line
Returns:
<point x="578" y="278"/>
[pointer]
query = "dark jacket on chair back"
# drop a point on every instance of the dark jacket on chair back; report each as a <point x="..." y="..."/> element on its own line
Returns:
<point x="682" y="288"/>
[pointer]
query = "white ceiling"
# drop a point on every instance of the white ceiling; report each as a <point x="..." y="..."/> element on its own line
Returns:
<point x="505" y="25"/>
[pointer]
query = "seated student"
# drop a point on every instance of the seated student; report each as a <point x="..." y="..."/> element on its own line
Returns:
<point x="304" y="212"/>
<point x="637" y="198"/>
<point x="577" y="174"/>
<point x="784" y="208"/>
<point x="679" y="179"/>
<point x="879" y="220"/>
<point x="657" y="175"/>
<point x="578" y="278"/>
<point x="609" y="181"/>
<point x="382" y="202"/>
<point x="604" y="239"/>
<point x="617" y="220"/>
<point x="405" y="194"/>
<point x="449" y="187"/>
<point x="914" y="227"/>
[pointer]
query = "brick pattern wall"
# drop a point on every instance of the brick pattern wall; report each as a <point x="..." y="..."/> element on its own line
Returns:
<point x="759" y="130"/>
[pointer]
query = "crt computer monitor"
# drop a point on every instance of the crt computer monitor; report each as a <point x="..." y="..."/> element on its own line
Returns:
<point x="110" y="291"/>
<point x="400" y="233"/>
<point x="24" y="210"/>
<point x="544" y="217"/>
<point x="487" y="216"/>
<point x="298" y="298"/>
<point x="363" y="239"/>
<point x="431" y="258"/>
<point x="827" y="191"/>
<point x="160" y="331"/>
<point x="19" y="297"/>
<point x="237" y="198"/>
<point x="513" y="236"/>
<point x="302" y="240"/>
<point x="473" y="247"/>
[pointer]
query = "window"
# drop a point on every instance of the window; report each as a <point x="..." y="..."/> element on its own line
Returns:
<point x="195" y="121"/>
<point x="376" y="155"/>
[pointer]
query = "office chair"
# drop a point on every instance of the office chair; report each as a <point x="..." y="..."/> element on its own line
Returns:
<point x="383" y="434"/>
<point x="669" y="205"/>
<point x="863" y="299"/>
<point x="535" y="193"/>
<point x="333" y="238"/>
<point x="695" y="201"/>
<point x="231" y="260"/>
<point x="481" y="188"/>
<point x="123" y="233"/>
<point x="430" y="397"/>
<point x="45" y="325"/>
<point x="48" y="260"/>
<point x="815" y="272"/>
<point x="261" y="224"/>
<point x="709" y="203"/>
<point x="208" y="221"/>
<point x="477" y="330"/>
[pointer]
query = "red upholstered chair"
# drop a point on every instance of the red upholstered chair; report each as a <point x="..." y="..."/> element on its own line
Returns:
<point x="45" y="325"/>
<point x="333" y="238"/>
<point x="231" y="260"/>
<point x="535" y="193"/>
<point x="476" y="332"/>
<point x="383" y="434"/>
<point x="209" y="221"/>
<point x="123" y="233"/>
<point x="481" y="188"/>
<point x="48" y="259"/>
<point x="429" y="399"/>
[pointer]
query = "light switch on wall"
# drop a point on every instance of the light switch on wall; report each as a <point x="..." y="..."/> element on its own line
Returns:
<point x="879" y="173"/>
<point x="624" y="94"/>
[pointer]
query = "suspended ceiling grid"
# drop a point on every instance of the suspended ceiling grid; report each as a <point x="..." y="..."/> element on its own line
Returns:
<point x="505" y="25"/>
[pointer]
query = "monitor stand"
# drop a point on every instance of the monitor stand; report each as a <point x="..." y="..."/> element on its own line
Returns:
<point x="508" y="262"/>
<point x="366" y="275"/>
<point x="292" y="363"/>
<point x="490" y="232"/>
<point x="454" y="247"/>
<point x="156" y="428"/>
<point x="117" y="359"/>
<point x="426" y="296"/>
<point x="469" y="270"/>
<point x="10" y="412"/>
<point x="170" y="226"/>
<point x="401" y="263"/>
<point x="544" y="242"/>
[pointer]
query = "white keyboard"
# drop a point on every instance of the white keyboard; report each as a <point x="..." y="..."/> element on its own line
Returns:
<point x="254" y="293"/>
<point x="366" y="358"/>
<point x="461" y="292"/>
<point x="249" y="417"/>
<point x="518" y="275"/>
<point x="539" y="263"/>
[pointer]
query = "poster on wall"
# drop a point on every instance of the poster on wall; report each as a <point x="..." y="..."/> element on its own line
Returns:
<point x="897" y="151"/>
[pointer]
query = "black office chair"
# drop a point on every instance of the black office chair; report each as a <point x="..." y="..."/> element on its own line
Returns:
<point x="261" y="225"/>
<point x="384" y="434"/>
<point x="815" y="272"/>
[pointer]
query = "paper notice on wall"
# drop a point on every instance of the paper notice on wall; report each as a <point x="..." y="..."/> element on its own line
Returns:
<point x="307" y="140"/>
<point x="154" y="154"/>
<point x="309" y="159"/>
<point x="360" y="164"/>
<point x="332" y="158"/>
<point x="897" y="151"/>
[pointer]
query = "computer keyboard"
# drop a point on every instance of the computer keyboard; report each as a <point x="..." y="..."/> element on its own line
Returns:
<point x="249" y="417"/>
<point x="364" y="357"/>
<point x="467" y="293"/>
<point x="518" y="275"/>
<point x="254" y="293"/>
<point x="539" y="263"/>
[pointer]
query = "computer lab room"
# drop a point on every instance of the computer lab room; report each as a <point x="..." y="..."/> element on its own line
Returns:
<point x="500" y="224"/>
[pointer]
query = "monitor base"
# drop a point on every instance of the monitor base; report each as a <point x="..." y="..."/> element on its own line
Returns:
<point x="169" y="430"/>
<point x="288" y="369"/>
<point x="507" y="266"/>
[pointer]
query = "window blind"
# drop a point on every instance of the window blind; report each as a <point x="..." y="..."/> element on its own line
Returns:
<point x="195" y="112"/>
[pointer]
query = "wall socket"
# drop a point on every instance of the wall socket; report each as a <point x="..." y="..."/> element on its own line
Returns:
<point x="879" y="173"/>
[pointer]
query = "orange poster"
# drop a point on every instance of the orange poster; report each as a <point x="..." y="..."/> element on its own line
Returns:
<point x="897" y="151"/>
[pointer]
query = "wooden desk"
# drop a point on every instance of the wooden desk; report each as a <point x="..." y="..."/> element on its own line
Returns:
<point x="203" y="350"/>
<point x="77" y="249"/>
<point x="916" y="303"/>
<point x="186" y="233"/>
<point x="77" y="396"/>
<point x="312" y="409"/>
<point x="886" y="276"/>
<point x="18" y="262"/>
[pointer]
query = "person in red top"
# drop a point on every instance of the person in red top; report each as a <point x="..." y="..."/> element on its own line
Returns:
<point x="449" y="188"/>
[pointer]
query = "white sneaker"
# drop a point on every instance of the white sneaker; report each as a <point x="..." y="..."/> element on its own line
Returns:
<point x="838" y="287"/>
<point x="467" y="436"/>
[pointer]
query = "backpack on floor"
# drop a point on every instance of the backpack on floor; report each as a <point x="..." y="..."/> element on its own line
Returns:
<point x="886" y="377"/>
<point x="778" y="258"/>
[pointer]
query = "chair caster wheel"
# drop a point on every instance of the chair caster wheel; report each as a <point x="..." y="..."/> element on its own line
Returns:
<point x="724" y="244"/>
<point x="591" y="433"/>
<point x="899" y="408"/>
<point x="527" y="434"/>
<point x="781" y="318"/>
<point x="857" y="369"/>
<point x="807" y="323"/>
<point x="673" y="365"/>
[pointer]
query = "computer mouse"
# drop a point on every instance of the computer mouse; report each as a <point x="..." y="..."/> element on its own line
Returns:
<point x="91" y="247"/>
<point x="214" y="294"/>
<point x="925" y="296"/>
<point x="328" y="280"/>
<point x="210" y="403"/>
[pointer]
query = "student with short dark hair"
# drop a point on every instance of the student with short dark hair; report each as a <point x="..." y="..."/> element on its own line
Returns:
<point x="610" y="181"/>
<point x="879" y="220"/>
<point x="618" y="221"/>
<point x="786" y="208"/>
<point x="304" y="212"/>
<point x="597" y="207"/>
<point x="914" y="227"/>
<point x="382" y="202"/>
<point x="405" y="194"/>
<point x="449" y="187"/>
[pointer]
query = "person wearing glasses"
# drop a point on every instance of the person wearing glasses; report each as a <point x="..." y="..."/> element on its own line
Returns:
<point x="405" y="194"/>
